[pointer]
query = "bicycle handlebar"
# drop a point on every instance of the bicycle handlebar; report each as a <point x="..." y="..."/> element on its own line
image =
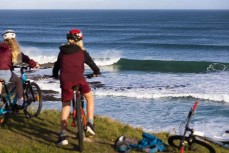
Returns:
<point x="22" y="68"/>
<point x="88" y="76"/>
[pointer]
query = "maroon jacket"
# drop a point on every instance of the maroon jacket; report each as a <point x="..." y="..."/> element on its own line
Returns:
<point x="71" y="49"/>
<point x="6" y="58"/>
<point x="70" y="62"/>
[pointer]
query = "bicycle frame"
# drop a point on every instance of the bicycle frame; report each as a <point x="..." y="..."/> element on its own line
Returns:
<point x="78" y="94"/>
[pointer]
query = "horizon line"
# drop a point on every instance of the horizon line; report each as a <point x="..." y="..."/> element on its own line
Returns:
<point x="105" y="9"/>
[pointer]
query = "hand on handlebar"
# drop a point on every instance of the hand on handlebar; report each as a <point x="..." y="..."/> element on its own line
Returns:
<point x="92" y="75"/>
<point x="57" y="77"/>
<point x="96" y="75"/>
<point x="37" y="66"/>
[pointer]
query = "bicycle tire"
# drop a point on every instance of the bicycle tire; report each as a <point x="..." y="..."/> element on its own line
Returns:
<point x="32" y="94"/>
<point x="174" y="141"/>
<point x="3" y="117"/>
<point x="79" y="119"/>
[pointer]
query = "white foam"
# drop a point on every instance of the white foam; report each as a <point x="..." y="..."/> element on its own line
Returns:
<point x="212" y="86"/>
<point x="106" y="61"/>
<point x="107" y="57"/>
<point x="41" y="56"/>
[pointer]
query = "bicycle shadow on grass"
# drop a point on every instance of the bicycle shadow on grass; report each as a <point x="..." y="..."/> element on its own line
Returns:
<point x="31" y="128"/>
<point x="40" y="129"/>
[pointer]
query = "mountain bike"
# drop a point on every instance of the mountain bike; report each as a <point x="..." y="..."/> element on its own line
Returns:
<point x="31" y="95"/>
<point x="79" y="119"/>
<point x="194" y="140"/>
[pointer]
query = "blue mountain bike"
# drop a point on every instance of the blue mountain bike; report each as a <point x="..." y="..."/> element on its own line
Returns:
<point x="31" y="94"/>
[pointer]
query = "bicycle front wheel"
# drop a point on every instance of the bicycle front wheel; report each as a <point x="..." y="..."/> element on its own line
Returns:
<point x="195" y="145"/>
<point x="33" y="100"/>
<point x="79" y="119"/>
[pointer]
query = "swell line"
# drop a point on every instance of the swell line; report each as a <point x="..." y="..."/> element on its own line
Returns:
<point x="170" y="66"/>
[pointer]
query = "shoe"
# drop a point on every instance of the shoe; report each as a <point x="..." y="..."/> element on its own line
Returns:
<point x="62" y="141"/>
<point x="20" y="103"/>
<point x="90" y="129"/>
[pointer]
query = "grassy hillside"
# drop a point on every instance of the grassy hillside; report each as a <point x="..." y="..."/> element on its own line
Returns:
<point x="38" y="135"/>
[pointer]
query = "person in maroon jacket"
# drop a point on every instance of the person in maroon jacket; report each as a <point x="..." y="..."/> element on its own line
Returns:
<point x="70" y="62"/>
<point x="11" y="54"/>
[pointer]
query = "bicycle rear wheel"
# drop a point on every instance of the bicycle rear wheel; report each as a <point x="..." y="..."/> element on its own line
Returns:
<point x="3" y="116"/>
<point x="79" y="119"/>
<point x="195" y="145"/>
<point x="32" y="98"/>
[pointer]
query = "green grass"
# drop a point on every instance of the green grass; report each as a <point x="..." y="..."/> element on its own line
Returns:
<point x="38" y="135"/>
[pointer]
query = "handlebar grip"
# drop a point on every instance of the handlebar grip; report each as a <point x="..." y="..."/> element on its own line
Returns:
<point x="195" y="106"/>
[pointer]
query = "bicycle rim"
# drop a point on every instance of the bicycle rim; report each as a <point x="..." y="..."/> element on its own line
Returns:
<point x="196" y="145"/>
<point x="32" y="98"/>
<point x="79" y="119"/>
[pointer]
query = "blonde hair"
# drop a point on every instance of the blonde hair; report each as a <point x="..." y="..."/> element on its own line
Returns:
<point x="16" y="51"/>
<point x="78" y="43"/>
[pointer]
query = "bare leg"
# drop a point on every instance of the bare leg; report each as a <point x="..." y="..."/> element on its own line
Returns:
<point x="15" y="79"/>
<point x="90" y="105"/>
<point x="0" y="87"/>
<point x="66" y="108"/>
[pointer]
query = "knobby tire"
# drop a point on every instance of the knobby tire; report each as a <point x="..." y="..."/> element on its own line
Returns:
<point x="174" y="141"/>
<point x="79" y="123"/>
<point x="32" y="94"/>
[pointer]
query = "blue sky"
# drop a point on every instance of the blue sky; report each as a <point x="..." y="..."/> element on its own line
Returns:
<point x="114" y="4"/>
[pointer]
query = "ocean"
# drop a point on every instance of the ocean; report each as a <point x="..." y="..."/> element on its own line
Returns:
<point x="155" y="63"/>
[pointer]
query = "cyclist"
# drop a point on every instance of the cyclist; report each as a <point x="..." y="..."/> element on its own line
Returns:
<point x="11" y="54"/>
<point x="70" y="62"/>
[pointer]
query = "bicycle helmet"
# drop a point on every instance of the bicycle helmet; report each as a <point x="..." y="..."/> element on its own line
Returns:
<point x="75" y="34"/>
<point x="8" y="34"/>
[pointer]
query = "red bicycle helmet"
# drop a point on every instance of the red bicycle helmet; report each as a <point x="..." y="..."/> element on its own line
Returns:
<point x="75" y="34"/>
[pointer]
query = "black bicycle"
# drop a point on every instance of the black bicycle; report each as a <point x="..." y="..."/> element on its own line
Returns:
<point x="194" y="140"/>
<point x="31" y="94"/>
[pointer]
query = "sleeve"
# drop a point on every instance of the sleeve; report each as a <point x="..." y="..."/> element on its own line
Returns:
<point x="56" y="67"/>
<point x="26" y="59"/>
<point x="89" y="61"/>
